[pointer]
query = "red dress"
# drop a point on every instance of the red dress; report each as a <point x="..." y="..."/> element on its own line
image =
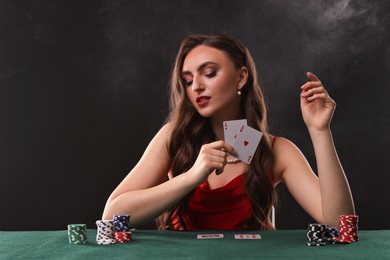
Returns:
<point x="224" y="208"/>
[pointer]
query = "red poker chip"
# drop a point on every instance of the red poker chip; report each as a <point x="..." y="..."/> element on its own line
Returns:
<point x="121" y="241"/>
<point x="123" y="236"/>
<point x="348" y="229"/>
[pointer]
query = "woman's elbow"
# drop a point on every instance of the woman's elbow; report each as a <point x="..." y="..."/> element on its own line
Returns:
<point x="107" y="212"/>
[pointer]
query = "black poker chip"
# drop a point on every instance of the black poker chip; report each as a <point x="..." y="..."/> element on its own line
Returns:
<point x="316" y="243"/>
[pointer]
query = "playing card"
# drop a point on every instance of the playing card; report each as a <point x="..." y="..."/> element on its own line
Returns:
<point x="230" y="129"/>
<point x="208" y="236"/>
<point x="247" y="236"/>
<point x="246" y="143"/>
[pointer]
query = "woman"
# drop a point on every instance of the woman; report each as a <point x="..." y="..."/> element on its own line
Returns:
<point x="215" y="80"/>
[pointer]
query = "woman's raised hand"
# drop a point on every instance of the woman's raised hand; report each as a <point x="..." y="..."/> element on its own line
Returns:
<point x="316" y="104"/>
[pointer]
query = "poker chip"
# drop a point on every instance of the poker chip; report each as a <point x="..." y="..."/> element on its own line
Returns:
<point x="331" y="232"/>
<point x="315" y="243"/>
<point x="105" y="232"/>
<point x="315" y="235"/>
<point x="348" y="226"/>
<point x="123" y="237"/>
<point x="121" y="222"/>
<point x="77" y="233"/>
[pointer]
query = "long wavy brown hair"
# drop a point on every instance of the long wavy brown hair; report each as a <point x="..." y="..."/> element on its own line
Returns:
<point x="191" y="131"/>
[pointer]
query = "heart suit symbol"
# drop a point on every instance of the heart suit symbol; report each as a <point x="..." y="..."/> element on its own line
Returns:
<point x="245" y="143"/>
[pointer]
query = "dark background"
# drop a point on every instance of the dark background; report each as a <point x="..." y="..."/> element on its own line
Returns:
<point x="83" y="89"/>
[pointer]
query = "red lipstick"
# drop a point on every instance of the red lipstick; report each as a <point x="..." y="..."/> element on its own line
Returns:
<point x="202" y="100"/>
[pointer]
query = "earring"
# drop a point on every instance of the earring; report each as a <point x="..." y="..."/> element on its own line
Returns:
<point x="239" y="93"/>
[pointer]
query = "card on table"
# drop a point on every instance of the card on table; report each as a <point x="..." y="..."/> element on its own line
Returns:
<point x="230" y="129"/>
<point x="208" y="236"/>
<point x="247" y="236"/>
<point x="246" y="142"/>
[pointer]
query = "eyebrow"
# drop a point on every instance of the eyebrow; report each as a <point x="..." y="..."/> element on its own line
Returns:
<point x="201" y="67"/>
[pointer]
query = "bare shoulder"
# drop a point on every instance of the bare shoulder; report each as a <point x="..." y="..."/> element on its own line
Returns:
<point x="164" y="134"/>
<point x="282" y="143"/>
<point x="167" y="128"/>
<point x="160" y="141"/>
<point x="154" y="164"/>
<point x="287" y="154"/>
<point x="156" y="151"/>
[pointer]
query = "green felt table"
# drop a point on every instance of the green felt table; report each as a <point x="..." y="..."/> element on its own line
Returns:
<point x="154" y="244"/>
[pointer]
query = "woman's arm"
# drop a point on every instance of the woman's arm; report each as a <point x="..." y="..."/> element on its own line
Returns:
<point x="327" y="196"/>
<point x="145" y="193"/>
<point x="335" y="191"/>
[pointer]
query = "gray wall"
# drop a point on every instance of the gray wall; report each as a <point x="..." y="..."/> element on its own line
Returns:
<point x="83" y="89"/>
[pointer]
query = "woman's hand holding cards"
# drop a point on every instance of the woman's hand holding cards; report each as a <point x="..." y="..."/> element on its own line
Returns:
<point x="211" y="157"/>
<point x="243" y="138"/>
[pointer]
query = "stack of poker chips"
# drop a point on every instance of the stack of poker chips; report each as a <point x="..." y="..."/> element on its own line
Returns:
<point x="121" y="222"/>
<point x="320" y="234"/>
<point x="122" y="228"/>
<point x="105" y="232"/>
<point x="123" y="237"/>
<point x="316" y="235"/>
<point x="348" y="226"/>
<point x="77" y="233"/>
